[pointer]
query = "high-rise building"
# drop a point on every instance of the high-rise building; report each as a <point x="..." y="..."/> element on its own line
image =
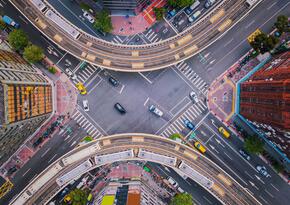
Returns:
<point x="265" y="100"/>
<point x="25" y="101"/>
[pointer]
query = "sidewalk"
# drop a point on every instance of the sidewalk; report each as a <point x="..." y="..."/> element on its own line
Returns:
<point x="222" y="92"/>
<point x="65" y="100"/>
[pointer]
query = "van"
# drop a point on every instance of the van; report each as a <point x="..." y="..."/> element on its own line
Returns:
<point x="194" y="16"/>
<point x="190" y="9"/>
<point x="225" y="133"/>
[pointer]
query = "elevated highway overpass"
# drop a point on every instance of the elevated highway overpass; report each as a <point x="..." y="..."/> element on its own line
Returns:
<point x="134" y="146"/>
<point x="134" y="58"/>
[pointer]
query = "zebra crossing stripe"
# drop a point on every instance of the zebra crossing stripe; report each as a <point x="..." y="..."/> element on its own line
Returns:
<point x="91" y="69"/>
<point x="89" y="124"/>
<point x="202" y="104"/>
<point x="119" y="39"/>
<point x="199" y="105"/>
<point x="198" y="79"/>
<point x="188" y="116"/>
<point x="178" y="125"/>
<point x="156" y="40"/>
<point x="150" y="35"/>
<point x="202" y="85"/>
<point x="76" y="113"/>
<point x="199" y="84"/>
<point x="81" y="77"/>
<point x="83" y="122"/>
<point x="86" y="73"/>
<point x="197" y="108"/>
<point x="192" y="112"/>
<point x="90" y="128"/>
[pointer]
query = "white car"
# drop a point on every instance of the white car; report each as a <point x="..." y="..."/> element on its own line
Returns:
<point x="172" y="182"/>
<point x="155" y="110"/>
<point x="86" y="105"/>
<point x="180" y="190"/>
<point x="71" y="74"/>
<point x="89" y="17"/>
<point x="193" y="97"/>
<point x="262" y="170"/>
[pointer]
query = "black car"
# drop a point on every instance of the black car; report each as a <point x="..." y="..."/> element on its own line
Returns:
<point x="120" y="108"/>
<point x="244" y="154"/>
<point x="113" y="81"/>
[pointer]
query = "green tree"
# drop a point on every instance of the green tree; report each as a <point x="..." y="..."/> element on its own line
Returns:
<point x="254" y="145"/>
<point x="52" y="69"/>
<point x="264" y="43"/>
<point x="180" y="3"/>
<point x="18" y="39"/>
<point x="103" y="22"/>
<point x="159" y="13"/>
<point x="182" y="199"/>
<point x="282" y="23"/>
<point x="33" y="53"/>
<point x="78" y="197"/>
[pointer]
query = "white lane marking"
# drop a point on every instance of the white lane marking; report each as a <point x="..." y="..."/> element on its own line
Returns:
<point x="228" y="156"/>
<point x="123" y="86"/>
<point x="149" y="81"/>
<point x="269" y="7"/>
<point x="274" y="187"/>
<point x="74" y="142"/>
<point x="207" y="199"/>
<point x="263" y="199"/>
<point x="227" y="43"/>
<point x="26" y="172"/>
<point x="52" y="158"/>
<point x="249" y="175"/>
<point x="269" y="193"/>
<point x="146" y="101"/>
<point x="249" y="24"/>
<point x="45" y="152"/>
<point x="95" y="86"/>
<point x="24" y="20"/>
<point x="60" y="59"/>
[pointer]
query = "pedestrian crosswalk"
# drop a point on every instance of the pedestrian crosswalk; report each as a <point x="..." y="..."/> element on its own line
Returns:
<point x="117" y="40"/>
<point x="192" y="113"/>
<point x="193" y="77"/>
<point x="152" y="36"/>
<point x="84" y="74"/>
<point x="86" y="125"/>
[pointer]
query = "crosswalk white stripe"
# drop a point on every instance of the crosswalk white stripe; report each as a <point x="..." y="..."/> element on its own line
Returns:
<point x="81" y="118"/>
<point x="91" y="69"/>
<point x="155" y="40"/>
<point x="178" y="125"/>
<point x="115" y="41"/>
<point x="198" y="85"/>
<point x="98" y="135"/>
<point x="90" y="128"/>
<point x="202" y="85"/>
<point x="153" y="37"/>
<point x="182" y="117"/>
<point x="188" y="116"/>
<point x="150" y="35"/>
<point x="192" y="112"/>
<point x="148" y="32"/>
<point x="171" y="129"/>
<point x="87" y="126"/>
<point x="202" y="104"/>
<point x="192" y="76"/>
<point x="77" y="113"/>
<point x="84" y="122"/>
<point x="195" y="111"/>
<point x="197" y="108"/>
<point x="82" y="77"/>
<point x="119" y="39"/>
<point x="93" y="131"/>
<point x="201" y="107"/>
<point x="166" y="133"/>
<point x="198" y="79"/>
<point x="86" y="74"/>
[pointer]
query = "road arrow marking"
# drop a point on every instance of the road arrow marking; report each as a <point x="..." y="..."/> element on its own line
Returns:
<point x="212" y="122"/>
<point x="219" y="142"/>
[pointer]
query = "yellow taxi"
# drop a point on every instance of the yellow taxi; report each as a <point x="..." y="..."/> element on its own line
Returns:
<point x="81" y="88"/>
<point x="225" y="133"/>
<point x="200" y="147"/>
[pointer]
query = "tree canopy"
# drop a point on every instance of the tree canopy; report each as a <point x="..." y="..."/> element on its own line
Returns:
<point x="180" y="3"/>
<point x="282" y="24"/>
<point x="33" y="53"/>
<point x="254" y="145"/>
<point x="18" y="39"/>
<point x="264" y="43"/>
<point x="182" y="199"/>
<point x="159" y="13"/>
<point x="78" y="197"/>
<point x="103" y="22"/>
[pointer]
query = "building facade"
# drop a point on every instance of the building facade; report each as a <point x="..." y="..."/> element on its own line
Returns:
<point x="265" y="101"/>
<point x="25" y="101"/>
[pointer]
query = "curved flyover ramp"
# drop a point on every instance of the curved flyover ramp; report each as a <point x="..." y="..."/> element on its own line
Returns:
<point x="134" y="146"/>
<point x="134" y="58"/>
